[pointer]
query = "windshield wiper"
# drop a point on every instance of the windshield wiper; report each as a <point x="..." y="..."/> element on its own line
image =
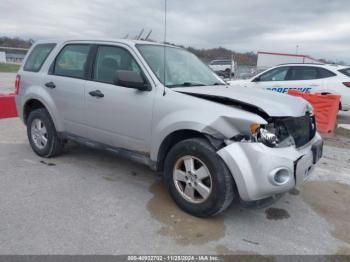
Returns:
<point x="187" y="84"/>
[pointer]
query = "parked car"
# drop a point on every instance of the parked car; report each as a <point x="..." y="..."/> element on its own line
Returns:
<point x="308" y="78"/>
<point x="212" y="143"/>
<point x="224" y="68"/>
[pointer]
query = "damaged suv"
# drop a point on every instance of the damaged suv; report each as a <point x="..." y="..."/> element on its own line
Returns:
<point x="161" y="106"/>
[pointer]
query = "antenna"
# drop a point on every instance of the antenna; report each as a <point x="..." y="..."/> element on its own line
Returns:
<point x="150" y="32"/>
<point x="164" y="55"/>
<point x="139" y="36"/>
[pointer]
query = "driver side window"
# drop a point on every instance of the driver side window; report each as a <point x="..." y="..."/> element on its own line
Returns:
<point x="109" y="59"/>
<point x="277" y="74"/>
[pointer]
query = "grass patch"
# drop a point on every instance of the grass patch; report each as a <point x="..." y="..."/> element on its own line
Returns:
<point x="9" y="68"/>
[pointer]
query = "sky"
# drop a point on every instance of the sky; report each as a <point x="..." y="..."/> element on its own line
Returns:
<point x="321" y="28"/>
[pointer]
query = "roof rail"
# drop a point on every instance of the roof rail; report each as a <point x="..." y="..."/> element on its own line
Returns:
<point x="303" y="64"/>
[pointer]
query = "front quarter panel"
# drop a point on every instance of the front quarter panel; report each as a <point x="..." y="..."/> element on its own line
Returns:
<point x="176" y="111"/>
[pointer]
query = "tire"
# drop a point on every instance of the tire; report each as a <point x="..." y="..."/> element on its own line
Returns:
<point x="205" y="158"/>
<point x="38" y="122"/>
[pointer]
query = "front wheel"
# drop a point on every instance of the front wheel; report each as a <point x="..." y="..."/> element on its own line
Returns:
<point x="198" y="179"/>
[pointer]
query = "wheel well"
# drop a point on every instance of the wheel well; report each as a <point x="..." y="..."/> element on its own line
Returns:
<point x="30" y="106"/>
<point x="171" y="140"/>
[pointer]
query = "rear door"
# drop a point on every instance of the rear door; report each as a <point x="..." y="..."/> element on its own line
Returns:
<point x="303" y="78"/>
<point x="66" y="83"/>
<point x="122" y="117"/>
<point x="308" y="79"/>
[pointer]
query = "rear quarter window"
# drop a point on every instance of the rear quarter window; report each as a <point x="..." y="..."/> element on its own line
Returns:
<point x="324" y="73"/>
<point x="37" y="57"/>
<point x="345" y="71"/>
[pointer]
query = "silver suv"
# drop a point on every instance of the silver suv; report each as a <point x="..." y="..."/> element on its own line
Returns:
<point x="161" y="106"/>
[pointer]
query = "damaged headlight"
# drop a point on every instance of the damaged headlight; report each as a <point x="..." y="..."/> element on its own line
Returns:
<point x="267" y="137"/>
<point x="273" y="134"/>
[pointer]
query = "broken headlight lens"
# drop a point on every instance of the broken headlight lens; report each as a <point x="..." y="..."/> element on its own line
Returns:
<point x="267" y="137"/>
<point x="274" y="134"/>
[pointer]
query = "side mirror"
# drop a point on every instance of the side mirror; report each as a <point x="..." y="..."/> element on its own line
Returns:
<point x="130" y="79"/>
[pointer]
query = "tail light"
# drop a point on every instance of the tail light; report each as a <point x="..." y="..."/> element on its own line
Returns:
<point x="347" y="84"/>
<point x="17" y="84"/>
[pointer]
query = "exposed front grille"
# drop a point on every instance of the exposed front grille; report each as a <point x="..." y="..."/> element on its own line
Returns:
<point x="302" y="129"/>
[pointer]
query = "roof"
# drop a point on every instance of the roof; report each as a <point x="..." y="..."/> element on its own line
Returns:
<point x="129" y="42"/>
<point x="329" y="66"/>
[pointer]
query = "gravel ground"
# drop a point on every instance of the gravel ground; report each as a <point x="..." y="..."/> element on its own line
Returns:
<point x="91" y="202"/>
<point x="7" y="82"/>
<point x="343" y="117"/>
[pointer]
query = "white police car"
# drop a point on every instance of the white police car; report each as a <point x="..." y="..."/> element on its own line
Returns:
<point x="307" y="78"/>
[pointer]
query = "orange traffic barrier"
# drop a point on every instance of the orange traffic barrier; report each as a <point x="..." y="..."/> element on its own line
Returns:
<point x="325" y="107"/>
<point x="7" y="105"/>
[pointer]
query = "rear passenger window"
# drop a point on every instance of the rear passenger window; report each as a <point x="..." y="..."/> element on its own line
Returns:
<point x="37" y="57"/>
<point x="71" y="61"/>
<point x="303" y="73"/>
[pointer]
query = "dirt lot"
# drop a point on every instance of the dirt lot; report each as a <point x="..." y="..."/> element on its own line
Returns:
<point x="91" y="202"/>
<point x="7" y="82"/>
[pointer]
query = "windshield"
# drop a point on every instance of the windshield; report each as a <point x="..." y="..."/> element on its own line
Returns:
<point x="182" y="67"/>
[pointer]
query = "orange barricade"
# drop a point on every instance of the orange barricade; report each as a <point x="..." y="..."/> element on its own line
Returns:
<point x="325" y="107"/>
<point x="7" y="105"/>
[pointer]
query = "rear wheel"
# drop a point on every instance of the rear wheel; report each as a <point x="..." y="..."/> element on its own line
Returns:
<point x="42" y="134"/>
<point x="198" y="179"/>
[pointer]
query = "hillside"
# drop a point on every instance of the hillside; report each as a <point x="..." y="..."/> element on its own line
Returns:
<point x="15" y="42"/>
<point x="205" y="55"/>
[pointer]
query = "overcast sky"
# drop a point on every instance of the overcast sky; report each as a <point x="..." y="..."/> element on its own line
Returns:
<point x="321" y="28"/>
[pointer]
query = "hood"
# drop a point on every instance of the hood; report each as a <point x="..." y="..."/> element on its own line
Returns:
<point x="238" y="82"/>
<point x="262" y="102"/>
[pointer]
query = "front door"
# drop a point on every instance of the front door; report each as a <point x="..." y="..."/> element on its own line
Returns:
<point x="274" y="80"/>
<point x="116" y="115"/>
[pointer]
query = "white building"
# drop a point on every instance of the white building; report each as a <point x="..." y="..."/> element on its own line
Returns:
<point x="13" y="55"/>
<point x="267" y="60"/>
<point x="2" y="57"/>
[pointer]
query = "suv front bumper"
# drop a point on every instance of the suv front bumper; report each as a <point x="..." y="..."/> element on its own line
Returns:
<point x="260" y="171"/>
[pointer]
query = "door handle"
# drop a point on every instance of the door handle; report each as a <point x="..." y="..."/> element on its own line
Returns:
<point x="50" y="85"/>
<point x="315" y="85"/>
<point x="96" y="93"/>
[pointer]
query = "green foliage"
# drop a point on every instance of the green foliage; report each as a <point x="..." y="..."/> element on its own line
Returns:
<point x="15" y="42"/>
<point x="9" y="68"/>
<point x="207" y="55"/>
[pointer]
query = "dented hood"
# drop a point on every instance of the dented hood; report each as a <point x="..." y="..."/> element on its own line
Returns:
<point x="273" y="104"/>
